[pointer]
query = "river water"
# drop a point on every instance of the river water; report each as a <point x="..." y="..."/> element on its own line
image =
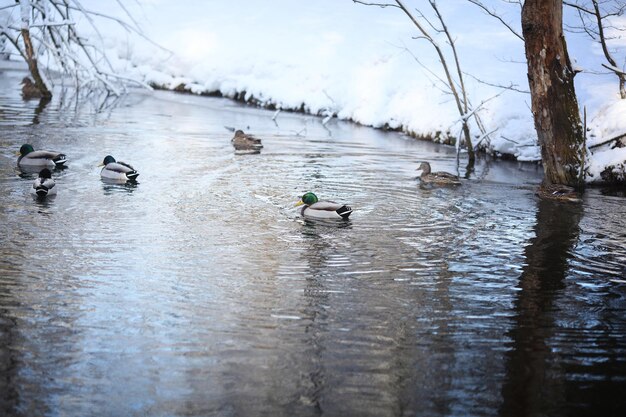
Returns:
<point x="201" y="291"/>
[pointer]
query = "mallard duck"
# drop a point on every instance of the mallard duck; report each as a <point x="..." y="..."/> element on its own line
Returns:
<point x="322" y="209"/>
<point x="558" y="192"/>
<point x="245" y="143"/>
<point x="437" y="178"/>
<point x="44" y="185"/>
<point x="115" y="170"/>
<point x="31" y="157"/>
<point x="30" y="90"/>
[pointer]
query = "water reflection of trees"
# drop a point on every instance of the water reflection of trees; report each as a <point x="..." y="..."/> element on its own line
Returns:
<point x="533" y="385"/>
<point x="9" y="396"/>
<point x="316" y="296"/>
<point x="74" y="105"/>
<point x="43" y="102"/>
<point x="357" y="341"/>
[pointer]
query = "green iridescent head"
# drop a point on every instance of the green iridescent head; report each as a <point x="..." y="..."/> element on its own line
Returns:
<point x="26" y="149"/>
<point x="108" y="159"/>
<point x="309" y="199"/>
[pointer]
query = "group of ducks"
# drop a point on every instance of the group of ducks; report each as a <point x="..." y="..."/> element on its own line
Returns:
<point x="243" y="144"/>
<point x="44" y="184"/>
<point x="118" y="171"/>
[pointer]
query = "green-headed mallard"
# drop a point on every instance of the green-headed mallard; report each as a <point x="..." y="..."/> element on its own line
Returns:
<point x="119" y="171"/>
<point x="558" y="192"/>
<point x="44" y="185"/>
<point x="245" y="143"/>
<point x="436" y="178"/>
<point x="322" y="209"/>
<point x="32" y="158"/>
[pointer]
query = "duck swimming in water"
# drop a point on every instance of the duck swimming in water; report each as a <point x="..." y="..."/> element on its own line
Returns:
<point x="558" y="192"/>
<point x="30" y="89"/>
<point x="29" y="157"/>
<point x="44" y="185"/>
<point x="322" y="209"/>
<point x="436" y="178"/>
<point x="119" y="171"/>
<point x="245" y="143"/>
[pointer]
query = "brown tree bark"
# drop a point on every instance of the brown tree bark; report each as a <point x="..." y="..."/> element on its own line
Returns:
<point x="554" y="103"/>
<point x="31" y="60"/>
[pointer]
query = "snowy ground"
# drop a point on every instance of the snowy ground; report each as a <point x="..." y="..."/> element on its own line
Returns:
<point x="359" y="62"/>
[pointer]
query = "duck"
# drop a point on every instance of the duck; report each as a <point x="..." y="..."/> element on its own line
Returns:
<point x="245" y="143"/>
<point x="30" y="89"/>
<point x="114" y="170"/>
<point x="558" y="192"/>
<point x="436" y="178"/>
<point x="322" y="209"/>
<point x="44" y="185"/>
<point x="29" y="157"/>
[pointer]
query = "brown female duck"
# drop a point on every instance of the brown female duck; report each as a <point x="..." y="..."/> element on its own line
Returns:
<point x="30" y="90"/>
<point x="245" y="143"/>
<point x="557" y="192"/>
<point x="436" y="178"/>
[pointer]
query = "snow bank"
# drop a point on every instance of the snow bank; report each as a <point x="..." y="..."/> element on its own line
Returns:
<point x="359" y="63"/>
<point x="608" y="162"/>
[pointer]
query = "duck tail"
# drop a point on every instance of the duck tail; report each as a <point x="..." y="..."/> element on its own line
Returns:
<point x="344" y="211"/>
<point x="41" y="191"/>
<point x="60" y="160"/>
<point x="131" y="175"/>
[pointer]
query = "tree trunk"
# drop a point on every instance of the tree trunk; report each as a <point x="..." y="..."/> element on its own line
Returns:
<point x="29" y="51"/>
<point x="31" y="60"/>
<point x="554" y="104"/>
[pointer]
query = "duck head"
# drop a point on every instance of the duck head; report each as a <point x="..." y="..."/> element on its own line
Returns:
<point x="45" y="173"/>
<point x="307" y="199"/>
<point x="424" y="167"/>
<point x="26" y="149"/>
<point x="107" y="160"/>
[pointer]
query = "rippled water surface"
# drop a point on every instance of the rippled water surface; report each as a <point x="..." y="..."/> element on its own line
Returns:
<point x="201" y="291"/>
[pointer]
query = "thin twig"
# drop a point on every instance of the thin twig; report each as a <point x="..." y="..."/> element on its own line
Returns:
<point x="382" y="5"/>
<point x="618" y="137"/>
<point x="497" y="16"/>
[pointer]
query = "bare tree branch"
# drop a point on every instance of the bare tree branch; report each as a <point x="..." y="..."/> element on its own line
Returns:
<point x="511" y="87"/>
<point x="47" y="30"/>
<point x="593" y="24"/>
<point x="382" y="5"/>
<point x="614" y="69"/>
<point x="618" y="137"/>
<point x="497" y="16"/>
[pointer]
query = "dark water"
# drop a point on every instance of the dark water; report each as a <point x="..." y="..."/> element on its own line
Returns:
<point x="200" y="291"/>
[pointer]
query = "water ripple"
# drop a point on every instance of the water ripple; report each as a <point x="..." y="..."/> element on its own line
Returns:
<point x="200" y="290"/>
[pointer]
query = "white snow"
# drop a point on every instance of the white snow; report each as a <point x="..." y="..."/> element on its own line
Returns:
<point x="361" y="63"/>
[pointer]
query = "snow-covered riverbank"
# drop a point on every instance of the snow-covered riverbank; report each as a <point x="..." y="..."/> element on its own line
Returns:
<point x="360" y="63"/>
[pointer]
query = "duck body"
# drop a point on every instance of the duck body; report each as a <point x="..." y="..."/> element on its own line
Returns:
<point x="558" y="192"/>
<point x="119" y="171"/>
<point x="30" y="90"/>
<point x="428" y="177"/>
<point x="29" y="157"/>
<point x="322" y="209"/>
<point x="44" y="185"/>
<point x="244" y="143"/>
